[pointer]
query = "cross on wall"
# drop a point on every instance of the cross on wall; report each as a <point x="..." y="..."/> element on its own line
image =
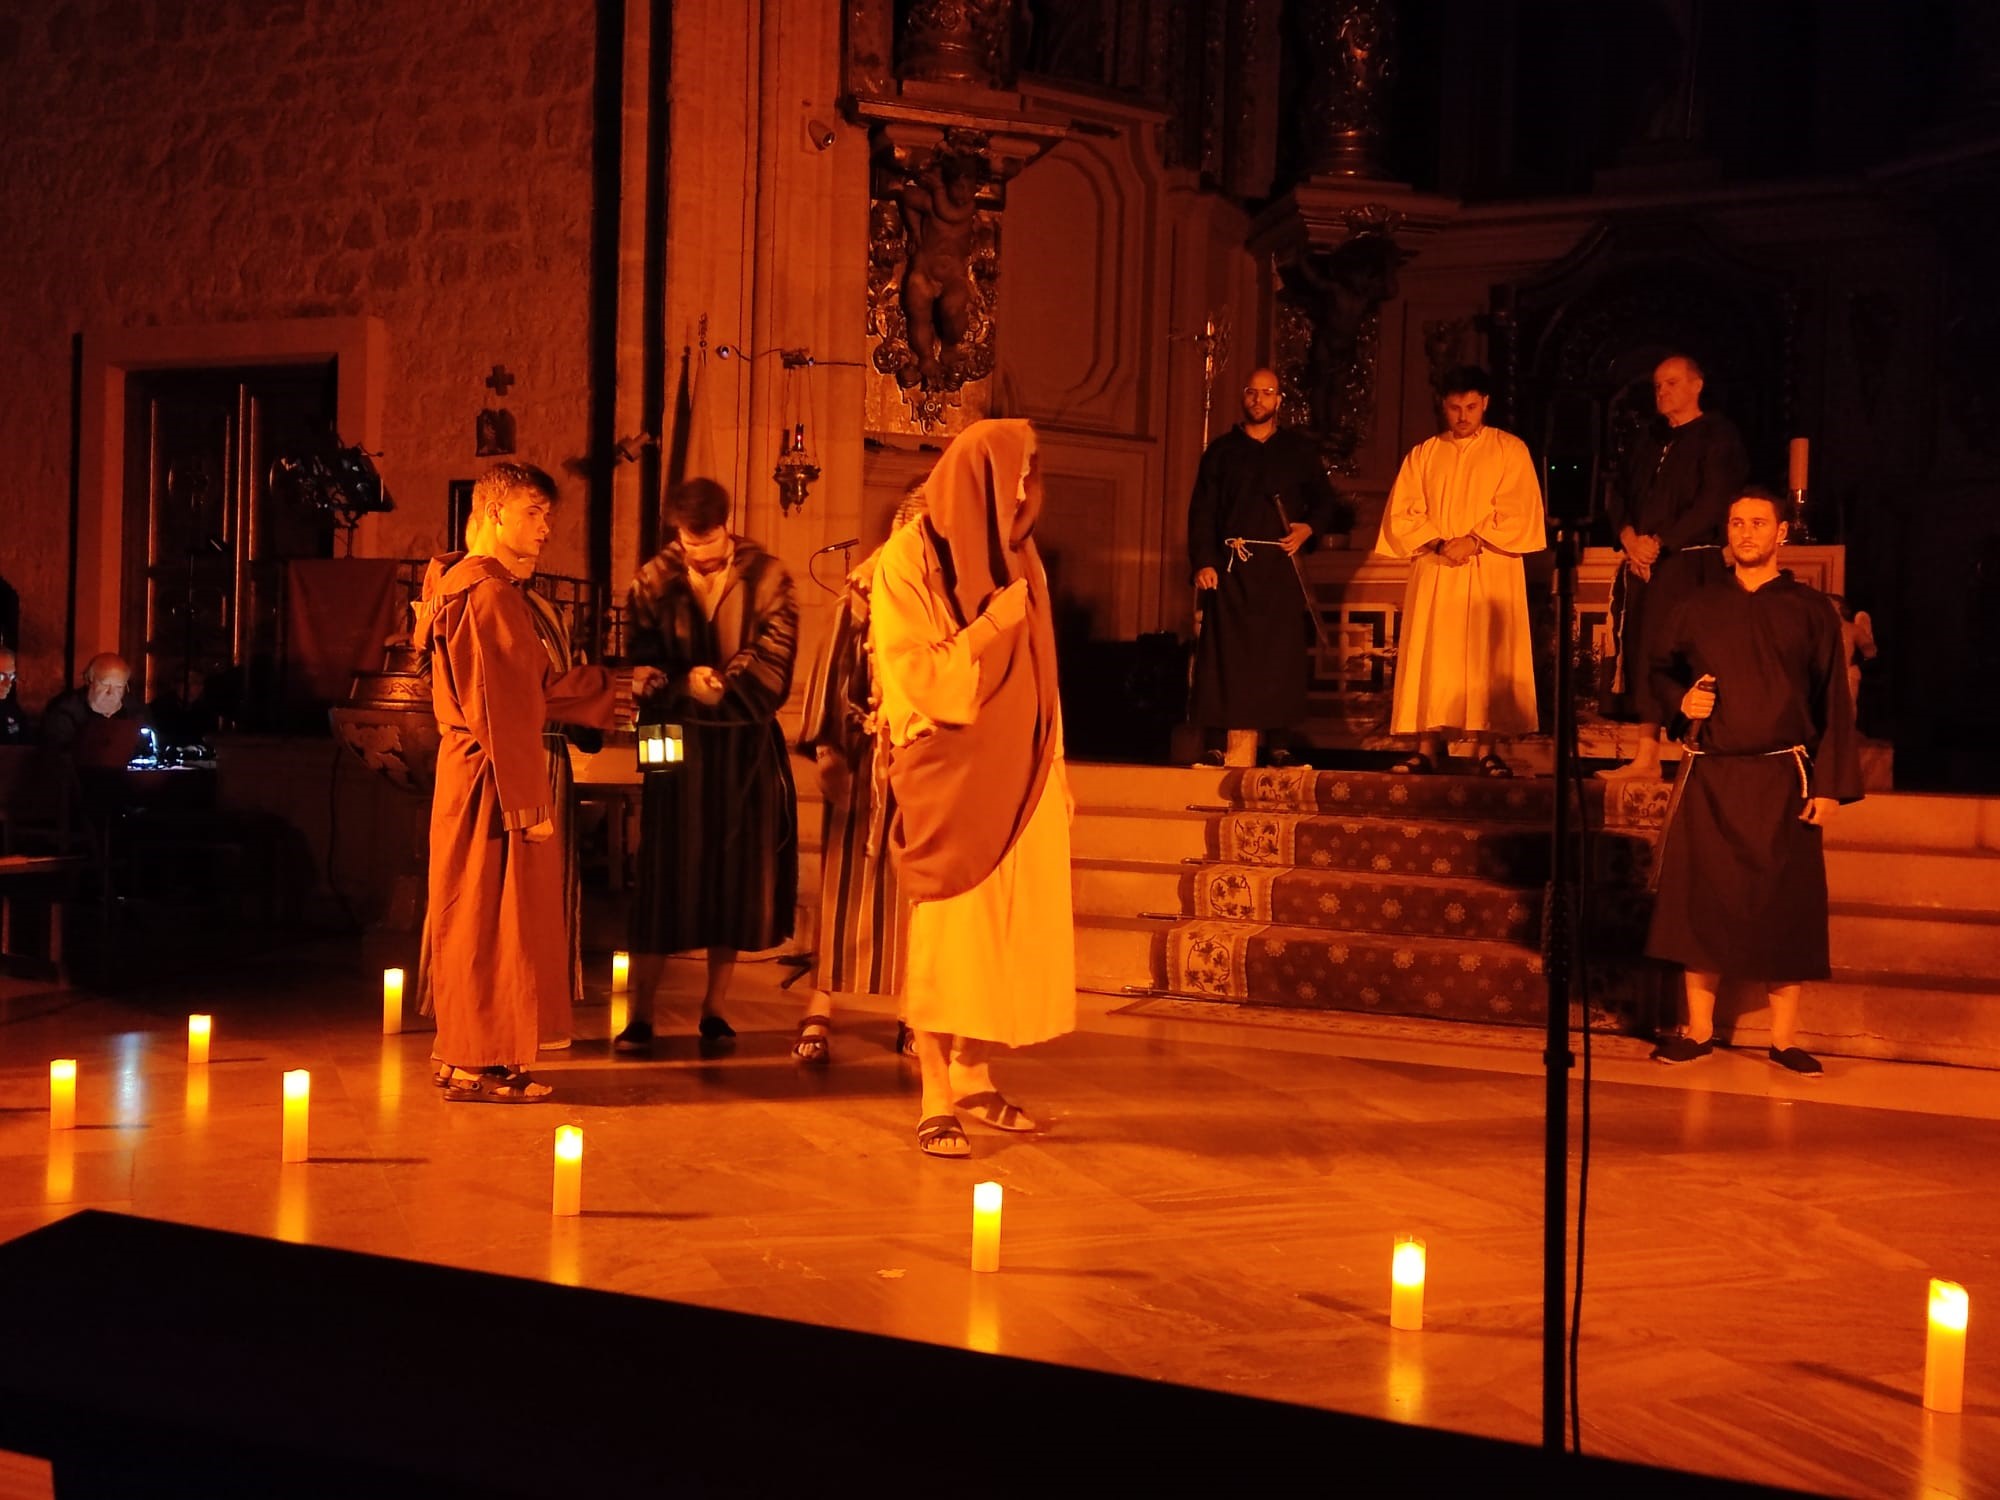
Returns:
<point x="500" y="381"/>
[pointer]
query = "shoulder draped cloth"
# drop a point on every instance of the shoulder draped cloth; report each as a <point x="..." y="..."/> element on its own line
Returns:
<point x="965" y="792"/>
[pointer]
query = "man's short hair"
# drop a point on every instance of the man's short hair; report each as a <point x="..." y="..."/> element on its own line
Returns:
<point x="697" y="505"/>
<point x="1759" y="492"/>
<point x="1693" y="364"/>
<point x="503" y="482"/>
<point x="1461" y="379"/>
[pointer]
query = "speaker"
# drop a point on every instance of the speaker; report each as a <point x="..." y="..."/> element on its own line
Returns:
<point x="1570" y="457"/>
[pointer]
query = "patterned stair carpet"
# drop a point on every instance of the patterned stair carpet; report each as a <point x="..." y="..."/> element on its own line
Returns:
<point x="1407" y="895"/>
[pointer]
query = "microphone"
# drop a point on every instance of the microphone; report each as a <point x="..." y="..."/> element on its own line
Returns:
<point x="1570" y="456"/>
<point x="853" y="541"/>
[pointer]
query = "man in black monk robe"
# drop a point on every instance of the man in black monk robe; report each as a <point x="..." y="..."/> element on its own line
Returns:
<point x="1667" y="512"/>
<point x="1260" y="498"/>
<point x="1761" y="675"/>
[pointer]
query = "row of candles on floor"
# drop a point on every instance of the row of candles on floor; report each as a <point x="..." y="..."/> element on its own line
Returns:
<point x="1944" y="1349"/>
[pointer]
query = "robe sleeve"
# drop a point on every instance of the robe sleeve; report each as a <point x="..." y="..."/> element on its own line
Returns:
<point x="497" y="669"/>
<point x="938" y="675"/>
<point x="1672" y="670"/>
<point x="757" y="679"/>
<point x="1836" y="758"/>
<point x="1515" y="524"/>
<point x="1725" y="466"/>
<point x="583" y="696"/>
<point x="1204" y="507"/>
<point x="649" y="643"/>
<point x="1407" y="526"/>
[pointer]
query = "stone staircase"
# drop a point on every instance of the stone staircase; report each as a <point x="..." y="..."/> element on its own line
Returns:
<point x="1422" y="897"/>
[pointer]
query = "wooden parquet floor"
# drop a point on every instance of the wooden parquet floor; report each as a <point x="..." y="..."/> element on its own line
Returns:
<point x="1212" y="1203"/>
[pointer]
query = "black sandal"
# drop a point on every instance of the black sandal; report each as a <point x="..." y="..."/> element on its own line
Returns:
<point x="1412" y="765"/>
<point x="1493" y="765"/>
<point x="992" y="1107"/>
<point x="636" y="1037"/>
<point x="813" y="1050"/>
<point x="943" y="1136"/>
<point x="716" y="1033"/>
<point x="496" y="1086"/>
<point x="906" y="1041"/>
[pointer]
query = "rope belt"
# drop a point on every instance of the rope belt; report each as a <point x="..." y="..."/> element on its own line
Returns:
<point x="1239" y="548"/>
<point x="1800" y="759"/>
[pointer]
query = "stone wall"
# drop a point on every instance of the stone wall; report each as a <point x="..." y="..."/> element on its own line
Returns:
<point x="190" y="162"/>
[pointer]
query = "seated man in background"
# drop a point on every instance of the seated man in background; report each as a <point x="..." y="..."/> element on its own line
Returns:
<point x="94" y="724"/>
<point x="14" y="728"/>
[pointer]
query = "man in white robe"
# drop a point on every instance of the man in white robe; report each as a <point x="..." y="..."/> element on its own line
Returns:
<point x="1464" y="510"/>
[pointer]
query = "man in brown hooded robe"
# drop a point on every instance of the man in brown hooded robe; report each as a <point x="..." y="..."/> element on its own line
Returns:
<point x="496" y="935"/>
<point x="964" y="648"/>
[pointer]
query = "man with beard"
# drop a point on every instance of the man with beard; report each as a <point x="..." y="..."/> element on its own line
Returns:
<point x="1756" y="665"/>
<point x="1464" y="510"/>
<point x="719" y="858"/>
<point x="1260" y="498"/>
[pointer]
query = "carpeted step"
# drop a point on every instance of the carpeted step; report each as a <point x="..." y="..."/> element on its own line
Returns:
<point x="1512" y="853"/>
<point x="1388" y="974"/>
<point x="1347" y="901"/>
<point x="1636" y="805"/>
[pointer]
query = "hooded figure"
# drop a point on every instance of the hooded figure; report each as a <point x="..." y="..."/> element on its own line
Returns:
<point x="964" y="649"/>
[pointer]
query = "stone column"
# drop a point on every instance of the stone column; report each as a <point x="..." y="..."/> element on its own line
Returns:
<point x="1352" y="55"/>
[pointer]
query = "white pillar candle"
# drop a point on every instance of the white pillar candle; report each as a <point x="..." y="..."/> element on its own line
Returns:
<point x="298" y="1102"/>
<point x="621" y="972"/>
<point x="1406" y="1284"/>
<point x="62" y="1094"/>
<point x="1797" y="457"/>
<point x="569" y="1171"/>
<point x="986" y="1226"/>
<point x="1944" y="1349"/>
<point x="199" y="1030"/>
<point x="392" y="1001"/>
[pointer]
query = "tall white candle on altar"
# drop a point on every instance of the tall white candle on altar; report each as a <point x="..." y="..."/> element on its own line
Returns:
<point x="199" y="1029"/>
<point x="1944" y="1349"/>
<point x="986" y="1226"/>
<point x="298" y="1102"/>
<point x="392" y="1001"/>
<point x="1406" y="1284"/>
<point x="569" y="1171"/>
<point x="62" y="1094"/>
<point x="1796" y="467"/>
<point x="621" y="972"/>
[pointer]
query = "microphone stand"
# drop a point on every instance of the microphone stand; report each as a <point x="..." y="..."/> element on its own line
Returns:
<point x="1557" y="1059"/>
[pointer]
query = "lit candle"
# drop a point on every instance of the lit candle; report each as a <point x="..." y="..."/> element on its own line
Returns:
<point x="986" y="1226"/>
<point x="62" y="1094"/>
<point x="569" y="1171"/>
<point x="621" y="972"/>
<point x="199" y="1029"/>
<point x="1797" y="466"/>
<point x="59" y="1182"/>
<point x="1406" y="1284"/>
<point x="392" y="1001"/>
<point x="195" y="1097"/>
<point x="1944" y="1350"/>
<point x="298" y="1100"/>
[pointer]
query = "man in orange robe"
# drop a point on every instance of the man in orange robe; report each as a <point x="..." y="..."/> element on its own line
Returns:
<point x="497" y="936"/>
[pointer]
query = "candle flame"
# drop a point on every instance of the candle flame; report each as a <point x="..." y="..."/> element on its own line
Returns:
<point x="298" y="1084"/>
<point x="200" y="1026"/>
<point x="63" y="1070"/>
<point x="1951" y="1307"/>
<point x="1407" y="1269"/>
<point x="569" y="1143"/>
<point x="986" y="1197"/>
